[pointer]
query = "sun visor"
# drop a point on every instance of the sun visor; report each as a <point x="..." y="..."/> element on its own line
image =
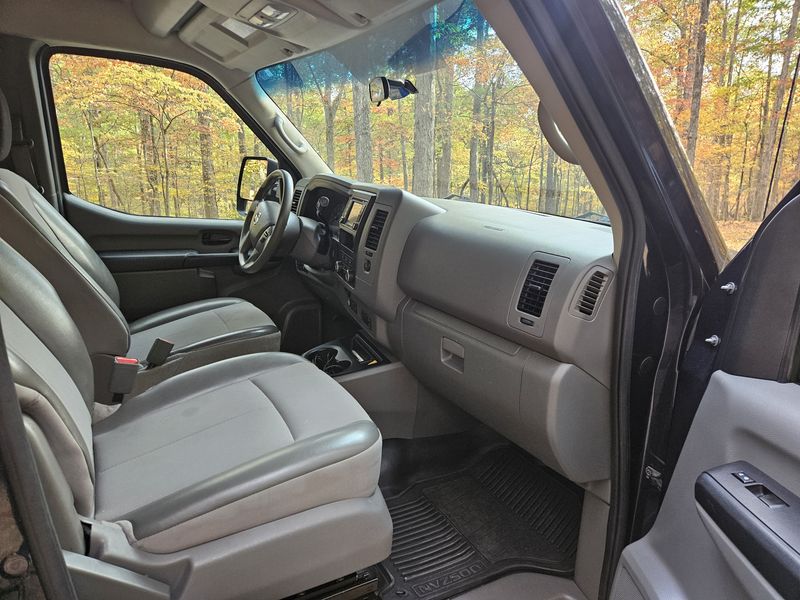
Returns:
<point x="162" y="17"/>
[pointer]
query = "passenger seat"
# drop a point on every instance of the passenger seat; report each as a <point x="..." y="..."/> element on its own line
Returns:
<point x="254" y="477"/>
<point x="203" y="332"/>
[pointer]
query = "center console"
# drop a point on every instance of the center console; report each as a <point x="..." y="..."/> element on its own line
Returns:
<point x="366" y="227"/>
<point x="350" y="225"/>
<point x="346" y="355"/>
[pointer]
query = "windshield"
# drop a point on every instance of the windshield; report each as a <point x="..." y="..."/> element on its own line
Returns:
<point x="471" y="132"/>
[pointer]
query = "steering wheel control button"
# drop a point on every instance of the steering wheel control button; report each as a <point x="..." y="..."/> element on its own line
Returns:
<point x="743" y="477"/>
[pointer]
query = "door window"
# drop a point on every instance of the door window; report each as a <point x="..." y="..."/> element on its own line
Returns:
<point x="148" y="140"/>
<point x="725" y="71"/>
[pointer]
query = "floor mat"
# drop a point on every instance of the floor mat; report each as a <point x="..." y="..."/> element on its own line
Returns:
<point x="505" y="513"/>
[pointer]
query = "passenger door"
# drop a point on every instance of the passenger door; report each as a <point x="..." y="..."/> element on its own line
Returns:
<point x="150" y="165"/>
<point x="729" y="524"/>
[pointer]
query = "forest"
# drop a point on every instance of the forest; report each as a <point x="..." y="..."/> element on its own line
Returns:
<point x="157" y="141"/>
<point x="148" y="140"/>
<point x="470" y="132"/>
<point x="725" y="71"/>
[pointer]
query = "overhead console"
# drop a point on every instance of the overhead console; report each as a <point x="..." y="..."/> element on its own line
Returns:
<point x="249" y="34"/>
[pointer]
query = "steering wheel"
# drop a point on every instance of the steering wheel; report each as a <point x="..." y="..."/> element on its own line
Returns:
<point x="266" y="221"/>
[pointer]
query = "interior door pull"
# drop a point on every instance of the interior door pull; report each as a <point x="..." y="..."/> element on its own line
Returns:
<point x="216" y="238"/>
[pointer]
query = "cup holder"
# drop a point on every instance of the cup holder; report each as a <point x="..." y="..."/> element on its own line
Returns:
<point x="326" y="360"/>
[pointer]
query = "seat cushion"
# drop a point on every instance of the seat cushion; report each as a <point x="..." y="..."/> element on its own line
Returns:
<point x="201" y="324"/>
<point x="230" y="446"/>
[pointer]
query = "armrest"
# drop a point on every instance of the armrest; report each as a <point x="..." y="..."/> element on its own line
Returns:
<point x="760" y="517"/>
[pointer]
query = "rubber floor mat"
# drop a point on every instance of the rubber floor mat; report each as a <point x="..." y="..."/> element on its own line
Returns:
<point x="506" y="513"/>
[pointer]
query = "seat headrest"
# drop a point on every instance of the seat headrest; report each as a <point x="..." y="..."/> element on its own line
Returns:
<point x="5" y="128"/>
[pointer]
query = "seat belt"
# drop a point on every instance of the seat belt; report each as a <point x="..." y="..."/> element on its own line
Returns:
<point x="22" y="153"/>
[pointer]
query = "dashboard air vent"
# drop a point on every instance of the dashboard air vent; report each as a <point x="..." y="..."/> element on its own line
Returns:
<point x="535" y="288"/>
<point x="298" y="191"/>
<point x="376" y="229"/>
<point x="587" y="301"/>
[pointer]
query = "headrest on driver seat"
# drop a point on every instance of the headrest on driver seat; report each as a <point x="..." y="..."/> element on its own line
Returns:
<point x="5" y="128"/>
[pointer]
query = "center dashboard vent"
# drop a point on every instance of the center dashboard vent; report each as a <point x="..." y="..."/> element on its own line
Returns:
<point x="298" y="191"/>
<point x="534" y="290"/>
<point x="376" y="229"/>
<point x="591" y="294"/>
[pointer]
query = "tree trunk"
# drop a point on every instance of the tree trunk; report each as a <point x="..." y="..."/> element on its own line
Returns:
<point x="528" y="185"/>
<point x="207" y="166"/>
<point x="149" y="159"/>
<point x="403" y="154"/>
<point x="778" y="113"/>
<point x="242" y="142"/>
<point x="697" y="80"/>
<point x="422" y="169"/>
<point x="477" y="100"/>
<point x="550" y="191"/>
<point x="490" y="129"/>
<point x="330" y="105"/>
<point x="95" y="159"/>
<point x="776" y="193"/>
<point x="540" y="199"/>
<point x="768" y="147"/>
<point x="363" y="134"/>
<point x="444" y="129"/>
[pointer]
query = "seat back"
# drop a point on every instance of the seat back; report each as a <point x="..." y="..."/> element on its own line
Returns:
<point x="52" y="370"/>
<point x="33" y="227"/>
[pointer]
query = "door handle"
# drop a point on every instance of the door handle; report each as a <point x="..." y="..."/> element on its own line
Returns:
<point x="216" y="238"/>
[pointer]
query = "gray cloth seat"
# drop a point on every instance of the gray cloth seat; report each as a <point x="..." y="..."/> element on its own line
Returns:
<point x="203" y="331"/>
<point x="203" y="324"/>
<point x="260" y="466"/>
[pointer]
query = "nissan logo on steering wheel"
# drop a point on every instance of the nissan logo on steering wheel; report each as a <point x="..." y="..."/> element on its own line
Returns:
<point x="257" y="217"/>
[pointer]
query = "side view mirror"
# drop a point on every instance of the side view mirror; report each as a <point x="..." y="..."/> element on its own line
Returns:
<point x="252" y="173"/>
<point x="383" y="88"/>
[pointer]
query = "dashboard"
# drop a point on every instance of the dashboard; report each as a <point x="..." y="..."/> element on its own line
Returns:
<point x="506" y="313"/>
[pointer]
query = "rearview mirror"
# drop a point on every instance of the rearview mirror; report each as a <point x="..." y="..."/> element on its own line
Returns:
<point x="252" y="174"/>
<point x="383" y="88"/>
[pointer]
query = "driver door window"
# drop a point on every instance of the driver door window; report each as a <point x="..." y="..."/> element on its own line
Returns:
<point x="148" y="140"/>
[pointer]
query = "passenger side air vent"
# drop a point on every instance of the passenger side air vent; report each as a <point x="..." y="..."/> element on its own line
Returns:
<point x="534" y="290"/>
<point x="590" y="293"/>
<point x="298" y="191"/>
<point x="376" y="229"/>
<point x="587" y="302"/>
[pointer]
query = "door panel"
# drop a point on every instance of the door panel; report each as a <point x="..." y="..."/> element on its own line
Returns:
<point x="177" y="258"/>
<point x="160" y="262"/>
<point x="685" y="555"/>
<point x="173" y="287"/>
<point x="737" y="408"/>
<point x="110" y="230"/>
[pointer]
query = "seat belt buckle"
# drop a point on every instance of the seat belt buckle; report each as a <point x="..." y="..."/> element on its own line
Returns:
<point x="159" y="352"/>
<point x="123" y="376"/>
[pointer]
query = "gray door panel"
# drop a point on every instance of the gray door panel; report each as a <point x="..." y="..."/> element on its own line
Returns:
<point x="160" y="262"/>
<point x="110" y="230"/>
<point x="687" y="554"/>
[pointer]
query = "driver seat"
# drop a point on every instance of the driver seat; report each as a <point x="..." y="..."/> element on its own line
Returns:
<point x="203" y="332"/>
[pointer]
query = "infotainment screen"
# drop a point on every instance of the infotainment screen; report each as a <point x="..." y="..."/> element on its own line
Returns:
<point x="354" y="214"/>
